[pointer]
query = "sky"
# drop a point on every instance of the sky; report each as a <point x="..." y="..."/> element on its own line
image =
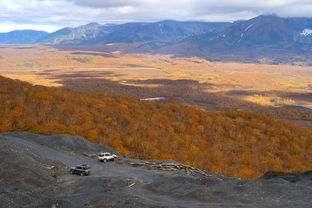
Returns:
<point x="50" y="15"/>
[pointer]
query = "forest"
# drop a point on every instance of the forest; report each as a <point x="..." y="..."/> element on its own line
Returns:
<point x="231" y="142"/>
<point x="191" y="92"/>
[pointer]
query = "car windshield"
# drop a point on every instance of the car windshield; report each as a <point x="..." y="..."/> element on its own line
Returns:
<point x="83" y="167"/>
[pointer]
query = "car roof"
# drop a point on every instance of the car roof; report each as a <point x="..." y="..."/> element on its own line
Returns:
<point x="83" y="165"/>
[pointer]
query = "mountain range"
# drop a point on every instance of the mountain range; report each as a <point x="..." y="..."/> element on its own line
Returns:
<point x="269" y="36"/>
<point x="170" y="31"/>
<point x="22" y="36"/>
<point x="264" y="38"/>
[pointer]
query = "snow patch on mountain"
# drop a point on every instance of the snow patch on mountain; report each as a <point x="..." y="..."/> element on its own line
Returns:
<point x="306" y="32"/>
<point x="249" y="27"/>
<point x="159" y="25"/>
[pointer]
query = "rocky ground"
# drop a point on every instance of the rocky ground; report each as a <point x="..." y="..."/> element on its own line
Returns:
<point x="34" y="173"/>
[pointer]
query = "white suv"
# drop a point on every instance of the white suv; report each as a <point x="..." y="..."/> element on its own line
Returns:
<point x="106" y="156"/>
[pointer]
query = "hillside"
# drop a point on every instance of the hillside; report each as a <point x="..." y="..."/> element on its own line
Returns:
<point x="233" y="143"/>
<point x="164" y="31"/>
<point x="263" y="31"/>
<point x="21" y="36"/>
<point x="280" y="40"/>
<point x="83" y="34"/>
<point x="264" y="39"/>
<point x="36" y="175"/>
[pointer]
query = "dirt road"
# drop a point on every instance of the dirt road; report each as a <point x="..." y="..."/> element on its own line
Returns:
<point x="27" y="179"/>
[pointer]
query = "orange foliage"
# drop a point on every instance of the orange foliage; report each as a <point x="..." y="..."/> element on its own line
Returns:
<point x="234" y="143"/>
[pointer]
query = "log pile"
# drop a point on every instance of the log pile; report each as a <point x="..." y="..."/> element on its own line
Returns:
<point x="168" y="166"/>
<point x="89" y="154"/>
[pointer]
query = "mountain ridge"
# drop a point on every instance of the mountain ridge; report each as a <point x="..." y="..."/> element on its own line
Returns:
<point x="21" y="36"/>
<point x="139" y="32"/>
<point x="167" y="30"/>
<point x="266" y="37"/>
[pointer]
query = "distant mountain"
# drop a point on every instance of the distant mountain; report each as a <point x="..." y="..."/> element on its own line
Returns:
<point x="21" y="36"/>
<point x="254" y="38"/>
<point x="85" y="34"/>
<point x="265" y="30"/>
<point x="171" y="31"/>
<point x="263" y="39"/>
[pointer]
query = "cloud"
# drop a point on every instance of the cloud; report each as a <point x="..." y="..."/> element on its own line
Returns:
<point x="60" y="13"/>
<point x="107" y="3"/>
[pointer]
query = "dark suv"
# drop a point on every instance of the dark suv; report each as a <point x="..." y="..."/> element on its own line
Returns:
<point x="82" y="170"/>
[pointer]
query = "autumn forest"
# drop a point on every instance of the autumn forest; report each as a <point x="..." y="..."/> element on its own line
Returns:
<point x="230" y="142"/>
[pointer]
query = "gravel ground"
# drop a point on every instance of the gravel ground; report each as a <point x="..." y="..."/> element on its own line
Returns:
<point x="34" y="173"/>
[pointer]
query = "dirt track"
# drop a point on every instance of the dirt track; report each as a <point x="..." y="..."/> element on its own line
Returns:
<point x="27" y="179"/>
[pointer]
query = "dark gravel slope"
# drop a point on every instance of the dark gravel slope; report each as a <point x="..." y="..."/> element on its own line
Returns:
<point x="34" y="173"/>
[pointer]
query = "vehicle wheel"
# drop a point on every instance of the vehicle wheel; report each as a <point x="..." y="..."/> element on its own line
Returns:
<point x="71" y="172"/>
<point x="105" y="160"/>
<point x="81" y="174"/>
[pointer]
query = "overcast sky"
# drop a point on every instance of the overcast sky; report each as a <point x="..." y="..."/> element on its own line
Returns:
<point x="51" y="15"/>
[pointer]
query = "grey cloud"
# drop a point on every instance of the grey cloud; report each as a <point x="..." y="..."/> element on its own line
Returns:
<point x="252" y="6"/>
<point x="76" y="12"/>
<point x="107" y="3"/>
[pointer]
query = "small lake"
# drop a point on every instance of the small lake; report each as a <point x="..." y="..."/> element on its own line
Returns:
<point x="294" y="106"/>
<point x="154" y="98"/>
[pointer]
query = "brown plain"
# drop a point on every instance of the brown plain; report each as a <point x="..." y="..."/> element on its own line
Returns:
<point x="48" y="66"/>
